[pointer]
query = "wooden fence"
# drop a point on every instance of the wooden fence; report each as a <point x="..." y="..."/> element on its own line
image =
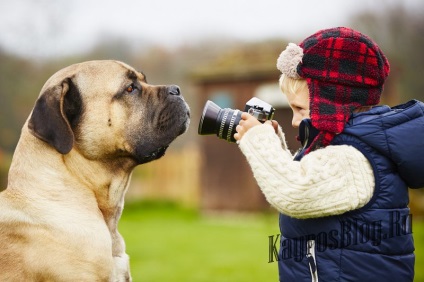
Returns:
<point x="174" y="177"/>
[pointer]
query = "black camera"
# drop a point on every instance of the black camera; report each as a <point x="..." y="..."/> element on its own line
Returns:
<point x="223" y="122"/>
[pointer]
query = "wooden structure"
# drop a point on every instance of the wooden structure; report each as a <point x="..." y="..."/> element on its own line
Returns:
<point x="226" y="180"/>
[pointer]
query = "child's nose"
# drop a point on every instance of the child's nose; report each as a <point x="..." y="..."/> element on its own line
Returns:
<point x="296" y="120"/>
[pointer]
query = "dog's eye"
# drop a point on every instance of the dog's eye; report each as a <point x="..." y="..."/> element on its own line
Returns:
<point x="130" y="88"/>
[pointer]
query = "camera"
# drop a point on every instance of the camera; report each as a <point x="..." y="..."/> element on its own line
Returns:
<point x="223" y="122"/>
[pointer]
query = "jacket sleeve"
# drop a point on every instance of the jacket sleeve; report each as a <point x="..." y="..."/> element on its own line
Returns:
<point x="328" y="181"/>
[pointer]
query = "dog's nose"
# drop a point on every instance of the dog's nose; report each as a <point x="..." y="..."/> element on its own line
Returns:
<point x="174" y="90"/>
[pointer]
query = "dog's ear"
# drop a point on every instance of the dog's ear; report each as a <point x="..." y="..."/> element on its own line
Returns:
<point x="56" y="113"/>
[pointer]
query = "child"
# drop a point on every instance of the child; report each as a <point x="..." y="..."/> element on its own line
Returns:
<point x="343" y="199"/>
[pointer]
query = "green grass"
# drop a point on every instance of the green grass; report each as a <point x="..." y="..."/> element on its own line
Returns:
<point x="168" y="243"/>
<point x="418" y="231"/>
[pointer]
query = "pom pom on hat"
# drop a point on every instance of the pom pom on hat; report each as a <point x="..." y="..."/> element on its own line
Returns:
<point x="289" y="59"/>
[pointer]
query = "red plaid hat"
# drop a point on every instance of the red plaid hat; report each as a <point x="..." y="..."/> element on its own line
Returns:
<point x="344" y="70"/>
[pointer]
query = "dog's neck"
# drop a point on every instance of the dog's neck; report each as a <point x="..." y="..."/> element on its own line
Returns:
<point x="102" y="183"/>
<point x="108" y="181"/>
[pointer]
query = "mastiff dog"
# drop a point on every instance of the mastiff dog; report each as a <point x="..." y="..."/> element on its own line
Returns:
<point x="91" y="125"/>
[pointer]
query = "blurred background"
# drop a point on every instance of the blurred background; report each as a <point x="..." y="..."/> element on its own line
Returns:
<point x="197" y="214"/>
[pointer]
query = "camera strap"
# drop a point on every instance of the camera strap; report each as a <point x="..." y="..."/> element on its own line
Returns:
<point x="307" y="134"/>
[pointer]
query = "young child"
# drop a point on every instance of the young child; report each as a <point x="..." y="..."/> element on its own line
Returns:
<point x="343" y="200"/>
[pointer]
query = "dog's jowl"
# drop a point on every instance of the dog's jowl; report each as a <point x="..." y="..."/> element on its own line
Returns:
<point x="91" y="125"/>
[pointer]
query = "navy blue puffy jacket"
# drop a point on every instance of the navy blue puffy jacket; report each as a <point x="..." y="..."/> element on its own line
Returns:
<point x="373" y="243"/>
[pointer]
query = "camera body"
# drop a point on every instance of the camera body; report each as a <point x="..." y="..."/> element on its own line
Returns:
<point x="223" y="122"/>
<point x="261" y="110"/>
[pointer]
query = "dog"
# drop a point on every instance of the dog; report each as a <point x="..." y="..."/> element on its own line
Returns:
<point x="92" y="123"/>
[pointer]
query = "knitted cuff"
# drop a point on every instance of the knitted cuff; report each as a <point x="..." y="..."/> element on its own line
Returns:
<point x="259" y="133"/>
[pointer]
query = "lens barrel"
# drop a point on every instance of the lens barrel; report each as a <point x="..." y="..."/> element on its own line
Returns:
<point x="222" y="122"/>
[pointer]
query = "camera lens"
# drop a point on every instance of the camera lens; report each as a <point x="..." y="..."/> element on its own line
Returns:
<point x="222" y="122"/>
<point x="228" y="121"/>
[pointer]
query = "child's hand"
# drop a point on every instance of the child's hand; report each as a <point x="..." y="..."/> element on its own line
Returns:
<point x="274" y="124"/>
<point x="247" y="121"/>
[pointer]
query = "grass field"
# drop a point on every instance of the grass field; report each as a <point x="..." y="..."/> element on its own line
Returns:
<point x="418" y="231"/>
<point x="167" y="243"/>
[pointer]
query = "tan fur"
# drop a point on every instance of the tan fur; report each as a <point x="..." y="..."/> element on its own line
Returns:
<point x="59" y="213"/>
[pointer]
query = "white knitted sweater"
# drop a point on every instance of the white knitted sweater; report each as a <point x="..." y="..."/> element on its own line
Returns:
<point x="328" y="181"/>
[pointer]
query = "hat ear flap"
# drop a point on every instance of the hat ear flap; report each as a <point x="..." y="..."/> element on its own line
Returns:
<point x="49" y="120"/>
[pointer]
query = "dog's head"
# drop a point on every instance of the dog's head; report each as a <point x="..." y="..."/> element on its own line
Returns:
<point x="107" y="110"/>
